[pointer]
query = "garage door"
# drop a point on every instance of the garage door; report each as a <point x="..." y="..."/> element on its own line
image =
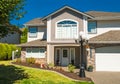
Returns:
<point x="108" y="59"/>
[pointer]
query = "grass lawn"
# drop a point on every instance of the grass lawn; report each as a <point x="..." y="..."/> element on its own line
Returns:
<point x="13" y="74"/>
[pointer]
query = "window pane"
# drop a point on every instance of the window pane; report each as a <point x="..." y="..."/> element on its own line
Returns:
<point x="66" y="29"/>
<point x="33" y="32"/>
<point x="92" y="27"/>
<point x="42" y="53"/>
<point x="65" y="53"/>
<point x="28" y="53"/>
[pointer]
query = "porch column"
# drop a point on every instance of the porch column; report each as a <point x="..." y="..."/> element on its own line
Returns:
<point x="50" y="54"/>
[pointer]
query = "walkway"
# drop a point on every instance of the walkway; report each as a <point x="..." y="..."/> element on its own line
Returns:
<point x="104" y="77"/>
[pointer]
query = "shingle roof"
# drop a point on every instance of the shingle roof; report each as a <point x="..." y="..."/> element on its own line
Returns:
<point x="35" y="43"/>
<point x="36" y="22"/>
<point x="104" y="15"/>
<point x="112" y="36"/>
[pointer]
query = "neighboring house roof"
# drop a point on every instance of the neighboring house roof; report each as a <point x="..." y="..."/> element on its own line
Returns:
<point x="35" y="43"/>
<point x="35" y="22"/>
<point x="67" y="8"/>
<point x="100" y="15"/>
<point x="112" y="36"/>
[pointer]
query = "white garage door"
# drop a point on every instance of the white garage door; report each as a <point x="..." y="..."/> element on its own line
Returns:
<point x="108" y="59"/>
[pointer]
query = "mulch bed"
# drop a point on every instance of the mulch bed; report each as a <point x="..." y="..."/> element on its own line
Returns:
<point x="68" y="74"/>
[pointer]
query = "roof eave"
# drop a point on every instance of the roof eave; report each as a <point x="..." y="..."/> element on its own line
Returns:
<point x="104" y="42"/>
<point x="34" y="25"/>
<point x="44" y="18"/>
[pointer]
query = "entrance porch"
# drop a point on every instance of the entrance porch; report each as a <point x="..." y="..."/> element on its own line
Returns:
<point x="65" y="55"/>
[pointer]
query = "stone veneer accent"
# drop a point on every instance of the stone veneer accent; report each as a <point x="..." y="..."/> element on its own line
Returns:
<point x="91" y="59"/>
<point x="38" y="60"/>
<point x="23" y="54"/>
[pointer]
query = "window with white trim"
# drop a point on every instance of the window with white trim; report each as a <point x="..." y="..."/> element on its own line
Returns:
<point x="35" y="52"/>
<point x="66" y="29"/>
<point x="92" y="27"/>
<point x="33" y="32"/>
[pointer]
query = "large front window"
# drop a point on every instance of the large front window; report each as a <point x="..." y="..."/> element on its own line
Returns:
<point x="66" y="29"/>
<point x="35" y="52"/>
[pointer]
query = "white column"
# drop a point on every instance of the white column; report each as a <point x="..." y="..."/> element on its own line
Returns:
<point x="49" y="29"/>
<point x="85" y="24"/>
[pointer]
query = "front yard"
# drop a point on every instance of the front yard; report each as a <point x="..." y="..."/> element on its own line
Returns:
<point x="14" y="74"/>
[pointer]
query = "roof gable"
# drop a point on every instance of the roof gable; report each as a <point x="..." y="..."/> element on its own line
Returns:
<point x="87" y="15"/>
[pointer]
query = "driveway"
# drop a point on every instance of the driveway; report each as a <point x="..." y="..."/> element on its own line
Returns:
<point x="104" y="77"/>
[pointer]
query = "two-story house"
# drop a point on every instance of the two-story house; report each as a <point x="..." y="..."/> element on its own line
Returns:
<point x="51" y="39"/>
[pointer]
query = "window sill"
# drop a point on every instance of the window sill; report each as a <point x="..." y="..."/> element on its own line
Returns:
<point x="92" y="33"/>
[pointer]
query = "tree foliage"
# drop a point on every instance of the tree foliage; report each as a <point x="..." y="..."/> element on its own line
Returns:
<point x="24" y="35"/>
<point x="9" y="10"/>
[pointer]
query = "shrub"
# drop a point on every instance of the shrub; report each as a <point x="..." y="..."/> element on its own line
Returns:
<point x="6" y="51"/>
<point x="30" y="60"/>
<point x="71" y="68"/>
<point x="3" y="51"/>
<point x="90" y="68"/>
<point x="18" y="60"/>
<point x="51" y="65"/>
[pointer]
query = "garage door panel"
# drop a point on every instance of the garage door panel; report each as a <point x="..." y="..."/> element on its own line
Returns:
<point x="108" y="61"/>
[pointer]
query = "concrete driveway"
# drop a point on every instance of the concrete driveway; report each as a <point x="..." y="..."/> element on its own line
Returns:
<point x="104" y="77"/>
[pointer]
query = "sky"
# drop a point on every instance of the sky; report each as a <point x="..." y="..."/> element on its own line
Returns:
<point x="41" y="8"/>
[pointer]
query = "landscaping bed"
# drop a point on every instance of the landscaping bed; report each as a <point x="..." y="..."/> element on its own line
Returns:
<point x="56" y="69"/>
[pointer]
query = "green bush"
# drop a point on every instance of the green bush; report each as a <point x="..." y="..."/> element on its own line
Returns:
<point x="51" y="65"/>
<point x="30" y="60"/>
<point x="71" y="68"/>
<point x="3" y="51"/>
<point x="18" y="60"/>
<point x="6" y="51"/>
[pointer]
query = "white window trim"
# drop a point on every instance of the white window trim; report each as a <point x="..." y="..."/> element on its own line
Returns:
<point x="64" y="20"/>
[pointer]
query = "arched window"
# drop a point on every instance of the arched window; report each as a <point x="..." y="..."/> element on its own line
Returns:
<point x="66" y="29"/>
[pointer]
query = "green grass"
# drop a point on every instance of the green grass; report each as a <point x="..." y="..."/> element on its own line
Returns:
<point x="13" y="74"/>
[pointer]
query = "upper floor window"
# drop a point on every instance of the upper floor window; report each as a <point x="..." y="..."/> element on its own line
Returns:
<point x="66" y="29"/>
<point x="92" y="27"/>
<point x="33" y="32"/>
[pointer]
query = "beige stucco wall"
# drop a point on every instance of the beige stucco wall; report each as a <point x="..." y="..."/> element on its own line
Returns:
<point x="105" y="26"/>
<point x="65" y="14"/>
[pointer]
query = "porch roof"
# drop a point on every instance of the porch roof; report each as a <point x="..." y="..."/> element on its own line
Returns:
<point x="112" y="36"/>
<point x="35" y="22"/>
<point x="35" y="43"/>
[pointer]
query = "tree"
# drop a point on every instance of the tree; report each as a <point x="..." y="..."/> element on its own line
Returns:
<point x="24" y="35"/>
<point x="9" y="10"/>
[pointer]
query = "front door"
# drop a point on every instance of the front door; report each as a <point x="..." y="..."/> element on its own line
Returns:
<point x="65" y="57"/>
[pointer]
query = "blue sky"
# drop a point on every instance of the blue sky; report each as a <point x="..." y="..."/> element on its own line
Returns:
<point x="41" y="8"/>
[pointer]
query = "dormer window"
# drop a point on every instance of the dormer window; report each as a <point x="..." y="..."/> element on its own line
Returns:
<point x="66" y="29"/>
<point x="33" y="32"/>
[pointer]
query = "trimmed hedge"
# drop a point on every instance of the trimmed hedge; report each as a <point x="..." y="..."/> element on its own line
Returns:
<point x="6" y="51"/>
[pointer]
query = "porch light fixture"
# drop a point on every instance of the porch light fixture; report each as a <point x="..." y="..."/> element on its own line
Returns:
<point x="82" y="39"/>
